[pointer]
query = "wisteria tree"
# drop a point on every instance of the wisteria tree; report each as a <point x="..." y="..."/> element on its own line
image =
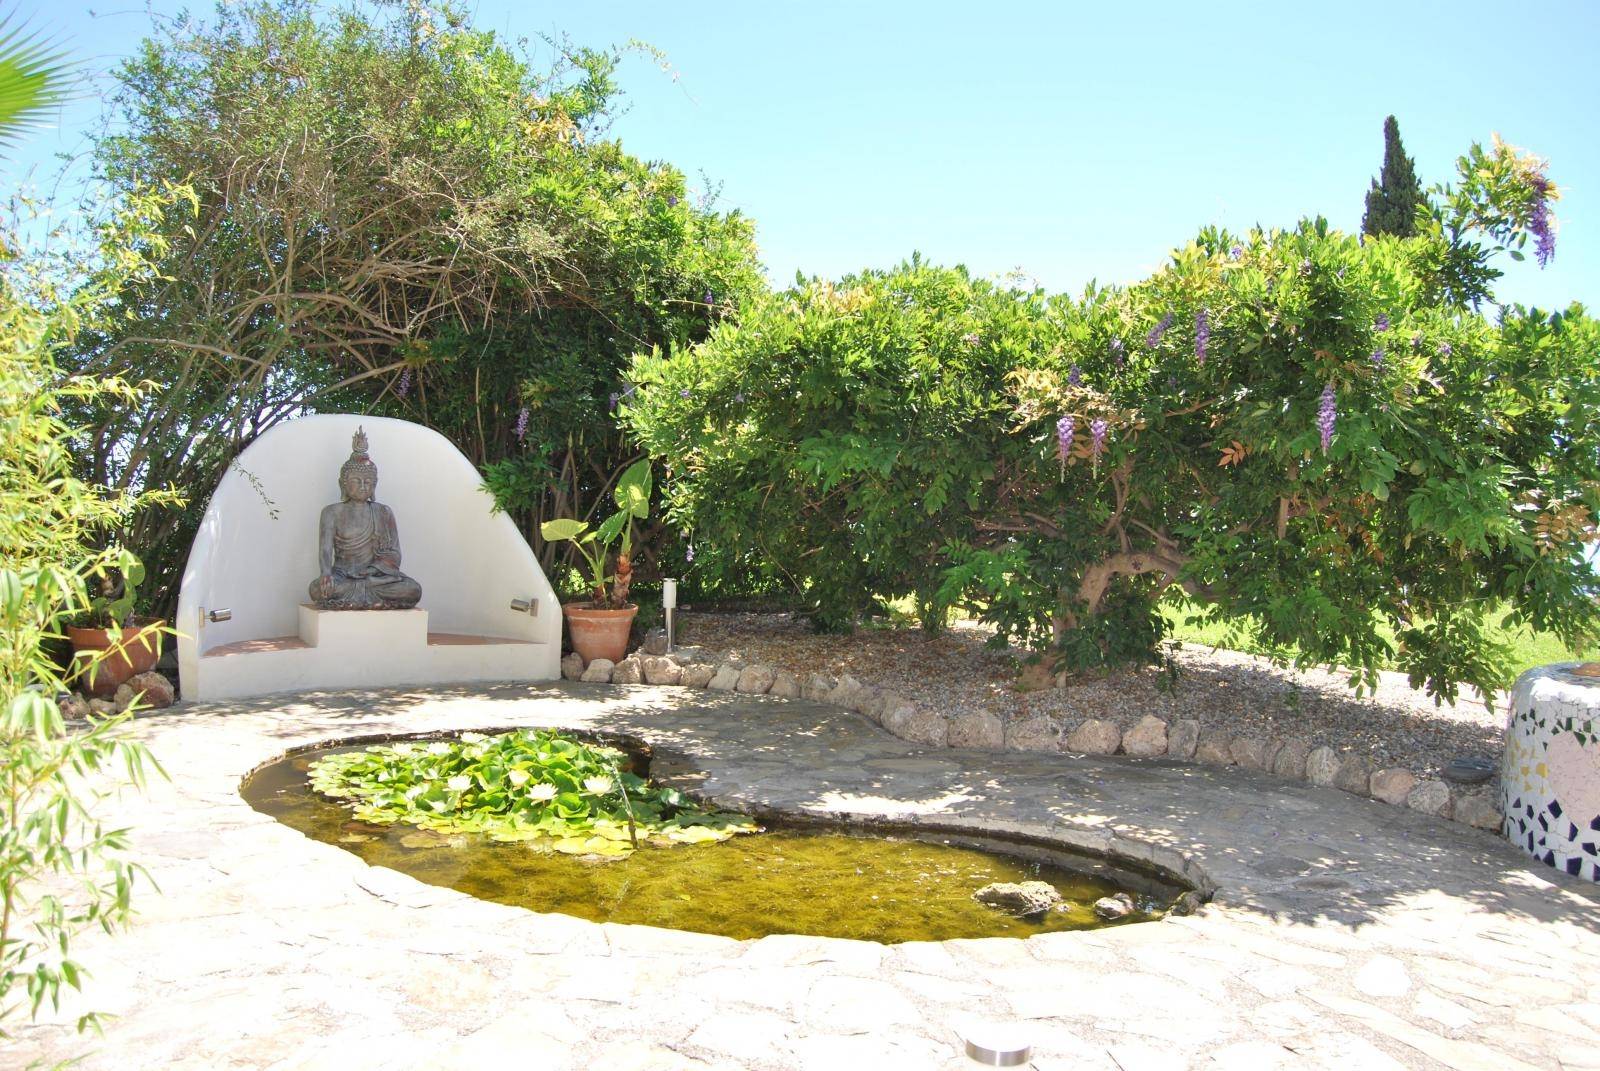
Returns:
<point x="1312" y="429"/>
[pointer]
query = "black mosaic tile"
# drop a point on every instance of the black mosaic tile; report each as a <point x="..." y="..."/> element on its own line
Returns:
<point x="1555" y="808"/>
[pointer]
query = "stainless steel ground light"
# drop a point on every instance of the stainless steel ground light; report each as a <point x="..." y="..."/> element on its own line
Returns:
<point x="669" y="603"/>
<point x="996" y="1045"/>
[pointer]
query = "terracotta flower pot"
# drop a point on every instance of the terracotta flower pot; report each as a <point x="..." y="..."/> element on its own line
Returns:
<point x="135" y="651"/>
<point x="599" y="633"/>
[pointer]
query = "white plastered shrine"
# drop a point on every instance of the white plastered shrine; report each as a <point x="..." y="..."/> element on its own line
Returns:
<point x="255" y="556"/>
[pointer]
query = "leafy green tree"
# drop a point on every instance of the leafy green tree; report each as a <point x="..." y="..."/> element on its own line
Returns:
<point x="1293" y="426"/>
<point x="395" y="213"/>
<point x="1395" y="196"/>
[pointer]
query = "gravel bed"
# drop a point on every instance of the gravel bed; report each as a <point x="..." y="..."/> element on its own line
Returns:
<point x="1237" y="693"/>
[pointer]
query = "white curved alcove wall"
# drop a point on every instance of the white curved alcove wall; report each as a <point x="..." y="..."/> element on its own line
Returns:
<point x="255" y="554"/>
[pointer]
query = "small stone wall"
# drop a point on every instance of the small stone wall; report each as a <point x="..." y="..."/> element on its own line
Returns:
<point x="1151" y="737"/>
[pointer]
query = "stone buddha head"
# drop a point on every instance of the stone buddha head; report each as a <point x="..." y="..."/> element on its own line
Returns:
<point x="358" y="476"/>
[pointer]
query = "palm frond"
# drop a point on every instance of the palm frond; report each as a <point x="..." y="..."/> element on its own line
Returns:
<point x="33" y="79"/>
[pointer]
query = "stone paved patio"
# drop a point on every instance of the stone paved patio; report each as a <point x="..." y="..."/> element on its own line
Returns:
<point x="1346" y="934"/>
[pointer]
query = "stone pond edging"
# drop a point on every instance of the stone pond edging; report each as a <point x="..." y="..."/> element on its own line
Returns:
<point x="1184" y="739"/>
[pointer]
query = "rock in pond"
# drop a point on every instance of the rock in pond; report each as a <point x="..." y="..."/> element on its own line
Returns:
<point x="1115" y="907"/>
<point x="1026" y="899"/>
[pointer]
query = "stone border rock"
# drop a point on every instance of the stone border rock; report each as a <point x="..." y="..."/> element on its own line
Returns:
<point x="1183" y="740"/>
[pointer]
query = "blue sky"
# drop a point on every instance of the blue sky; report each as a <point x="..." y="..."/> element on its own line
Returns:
<point x="1066" y="141"/>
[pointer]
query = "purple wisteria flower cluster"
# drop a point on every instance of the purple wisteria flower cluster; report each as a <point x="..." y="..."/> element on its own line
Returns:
<point x="1202" y="335"/>
<point x="1097" y="436"/>
<point x="1158" y="330"/>
<point x="1065" y="428"/>
<point x="1117" y="355"/>
<point x="521" y="428"/>
<point x="1236" y="252"/>
<point x="1327" y="414"/>
<point x="1074" y="376"/>
<point x="403" y="388"/>
<point x="1544" y="236"/>
<point x="1381" y="323"/>
<point x="1377" y="358"/>
<point x="615" y="399"/>
<point x="971" y="338"/>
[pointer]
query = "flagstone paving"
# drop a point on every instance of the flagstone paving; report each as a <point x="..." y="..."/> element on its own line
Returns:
<point x="1345" y="933"/>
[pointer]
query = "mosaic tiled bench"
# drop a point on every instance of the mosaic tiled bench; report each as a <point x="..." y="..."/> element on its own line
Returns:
<point x="1550" y="777"/>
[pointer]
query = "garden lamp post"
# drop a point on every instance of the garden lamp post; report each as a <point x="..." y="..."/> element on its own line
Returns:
<point x="669" y="603"/>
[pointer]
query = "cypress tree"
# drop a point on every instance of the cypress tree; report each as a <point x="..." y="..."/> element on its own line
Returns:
<point x="1393" y="199"/>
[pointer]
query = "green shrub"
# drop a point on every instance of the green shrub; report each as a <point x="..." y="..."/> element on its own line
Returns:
<point x="1314" y="430"/>
<point x="837" y="436"/>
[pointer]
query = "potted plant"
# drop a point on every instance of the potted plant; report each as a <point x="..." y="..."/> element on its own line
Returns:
<point x="600" y="625"/>
<point x="112" y="646"/>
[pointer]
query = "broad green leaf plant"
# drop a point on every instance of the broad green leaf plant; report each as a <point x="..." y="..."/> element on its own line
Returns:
<point x="533" y="786"/>
<point x="632" y="495"/>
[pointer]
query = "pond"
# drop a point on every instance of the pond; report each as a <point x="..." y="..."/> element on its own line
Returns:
<point x="887" y="884"/>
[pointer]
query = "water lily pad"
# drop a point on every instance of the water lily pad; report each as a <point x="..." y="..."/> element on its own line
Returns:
<point x="566" y="796"/>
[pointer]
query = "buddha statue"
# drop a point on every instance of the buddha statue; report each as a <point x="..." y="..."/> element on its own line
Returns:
<point x="359" y="545"/>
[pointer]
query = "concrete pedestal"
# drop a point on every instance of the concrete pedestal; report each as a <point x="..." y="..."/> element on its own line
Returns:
<point x="359" y="634"/>
<point x="1550" y="777"/>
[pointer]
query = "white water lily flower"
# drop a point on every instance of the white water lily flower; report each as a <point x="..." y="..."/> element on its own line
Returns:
<point x="598" y="785"/>
<point x="459" y="783"/>
<point x="414" y="791"/>
<point x="473" y="738"/>
<point x="518" y="778"/>
<point x="543" y="791"/>
<point x="439" y="747"/>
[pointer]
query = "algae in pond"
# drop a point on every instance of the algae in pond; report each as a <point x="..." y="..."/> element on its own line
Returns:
<point x="822" y="883"/>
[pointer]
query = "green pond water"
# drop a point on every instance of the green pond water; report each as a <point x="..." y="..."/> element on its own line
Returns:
<point x="823" y="881"/>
